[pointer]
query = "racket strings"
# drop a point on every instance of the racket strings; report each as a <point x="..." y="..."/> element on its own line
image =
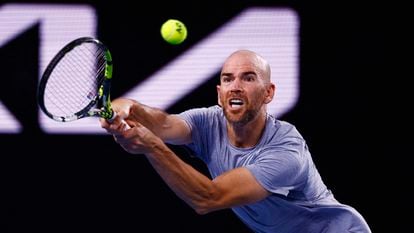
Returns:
<point x="74" y="83"/>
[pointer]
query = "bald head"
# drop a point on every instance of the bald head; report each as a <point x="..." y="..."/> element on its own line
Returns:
<point x="245" y="89"/>
<point x="250" y="58"/>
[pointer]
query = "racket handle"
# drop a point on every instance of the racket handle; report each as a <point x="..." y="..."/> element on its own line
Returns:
<point x="126" y="126"/>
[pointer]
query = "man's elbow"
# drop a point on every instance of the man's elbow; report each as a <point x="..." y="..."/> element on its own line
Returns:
<point x="205" y="206"/>
<point x="202" y="210"/>
<point x="208" y="202"/>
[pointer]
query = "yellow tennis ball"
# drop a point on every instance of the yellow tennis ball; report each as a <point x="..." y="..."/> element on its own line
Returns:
<point x="173" y="31"/>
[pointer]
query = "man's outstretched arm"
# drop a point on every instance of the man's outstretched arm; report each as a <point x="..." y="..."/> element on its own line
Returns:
<point x="233" y="188"/>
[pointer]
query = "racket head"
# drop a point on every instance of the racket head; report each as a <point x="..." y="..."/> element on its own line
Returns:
<point x="76" y="83"/>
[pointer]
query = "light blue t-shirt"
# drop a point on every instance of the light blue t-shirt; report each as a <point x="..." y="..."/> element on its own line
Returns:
<point x="282" y="164"/>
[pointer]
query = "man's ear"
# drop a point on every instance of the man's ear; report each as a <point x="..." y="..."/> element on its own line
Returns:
<point x="218" y="95"/>
<point x="270" y="93"/>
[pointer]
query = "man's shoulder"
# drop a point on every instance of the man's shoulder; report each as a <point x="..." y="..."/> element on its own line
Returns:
<point x="211" y="111"/>
<point x="282" y="129"/>
<point x="279" y="124"/>
<point x="215" y="108"/>
<point x="202" y="114"/>
<point x="212" y="108"/>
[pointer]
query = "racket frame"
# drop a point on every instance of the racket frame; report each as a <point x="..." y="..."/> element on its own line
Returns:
<point x="102" y="100"/>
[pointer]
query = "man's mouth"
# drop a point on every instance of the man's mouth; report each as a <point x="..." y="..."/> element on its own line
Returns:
<point x="236" y="103"/>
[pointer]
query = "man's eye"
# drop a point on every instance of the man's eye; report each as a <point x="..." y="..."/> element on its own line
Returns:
<point x="249" y="78"/>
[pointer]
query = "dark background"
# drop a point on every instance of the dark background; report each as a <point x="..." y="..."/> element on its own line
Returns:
<point x="344" y="112"/>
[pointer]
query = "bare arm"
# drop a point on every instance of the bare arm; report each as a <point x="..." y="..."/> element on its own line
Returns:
<point x="236" y="187"/>
<point x="149" y="128"/>
<point x="170" y="128"/>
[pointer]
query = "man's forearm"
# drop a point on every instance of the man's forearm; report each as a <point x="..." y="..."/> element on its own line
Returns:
<point x="196" y="189"/>
<point x="154" y="119"/>
<point x="170" y="128"/>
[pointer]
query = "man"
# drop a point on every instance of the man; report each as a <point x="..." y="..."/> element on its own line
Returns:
<point x="261" y="166"/>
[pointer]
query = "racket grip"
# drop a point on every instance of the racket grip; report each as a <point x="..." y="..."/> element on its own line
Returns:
<point x="126" y="126"/>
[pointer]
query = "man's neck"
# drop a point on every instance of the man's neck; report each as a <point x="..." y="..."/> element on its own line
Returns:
<point x="247" y="135"/>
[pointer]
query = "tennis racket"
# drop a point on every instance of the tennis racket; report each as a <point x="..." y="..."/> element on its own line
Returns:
<point x="76" y="83"/>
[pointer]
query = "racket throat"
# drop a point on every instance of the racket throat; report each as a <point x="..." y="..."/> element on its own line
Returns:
<point x="102" y="112"/>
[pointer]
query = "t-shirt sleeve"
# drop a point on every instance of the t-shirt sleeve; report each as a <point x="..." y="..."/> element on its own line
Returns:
<point x="280" y="168"/>
<point x="201" y="122"/>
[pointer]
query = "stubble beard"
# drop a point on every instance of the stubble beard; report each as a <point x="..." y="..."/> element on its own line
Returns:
<point x="243" y="120"/>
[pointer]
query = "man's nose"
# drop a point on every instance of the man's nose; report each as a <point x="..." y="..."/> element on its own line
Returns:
<point x="236" y="86"/>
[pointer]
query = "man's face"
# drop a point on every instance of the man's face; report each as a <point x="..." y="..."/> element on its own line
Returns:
<point x="242" y="92"/>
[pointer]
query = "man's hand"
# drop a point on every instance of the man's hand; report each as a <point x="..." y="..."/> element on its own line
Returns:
<point x="138" y="140"/>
